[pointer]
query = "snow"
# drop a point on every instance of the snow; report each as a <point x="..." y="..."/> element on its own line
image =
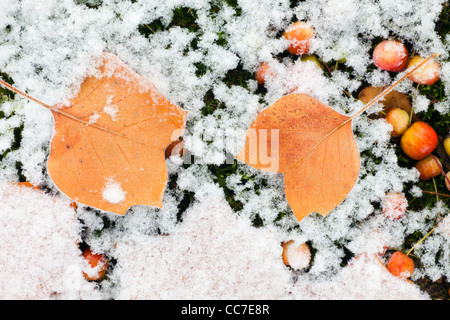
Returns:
<point x="39" y="256"/>
<point x="49" y="47"/>
<point x="111" y="109"/>
<point x="298" y="255"/>
<point x="204" y="260"/>
<point x="113" y="192"/>
<point x="365" y="278"/>
<point x="444" y="228"/>
<point x="394" y="205"/>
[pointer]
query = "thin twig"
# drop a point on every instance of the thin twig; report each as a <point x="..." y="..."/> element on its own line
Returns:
<point x="439" y="194"/>
<point x="440" y="167"/>
<point x="426" y="236"/>
<point x="328" y="68"/>
<point x="436" y="190"/>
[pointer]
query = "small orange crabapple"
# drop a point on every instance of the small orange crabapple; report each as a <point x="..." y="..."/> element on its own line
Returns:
<point x="299" y="35"/>
<point x="391" y="55"/>
<point x="394" y="205"/>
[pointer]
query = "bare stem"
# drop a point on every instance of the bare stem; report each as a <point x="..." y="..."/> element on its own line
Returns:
<point x="439" y="194"/>
<point x="436" y="190"/>
<point x="426" y="236"/>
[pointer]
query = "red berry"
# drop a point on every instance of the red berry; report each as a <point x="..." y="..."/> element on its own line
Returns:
<point x="296" y="255"/>
<point x="428" y="168"/>
<point x="427" y="74"/>
<point x="391" y="55"/>
<point x="299" y="36"/>
<point x="262" y="72"/>
<point x="400" y="265"/>
<point x="98" y="263"/>
<point x="419" y="140"/>
<point x="394" y="205"/>
<point x="399" y="119"/>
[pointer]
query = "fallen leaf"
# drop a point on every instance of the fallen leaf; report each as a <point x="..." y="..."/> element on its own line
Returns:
<point x="317" y="176"/>
<point x="393" y="99"/>
<point x="313" y="146"/>
<point x="108" y="148"/>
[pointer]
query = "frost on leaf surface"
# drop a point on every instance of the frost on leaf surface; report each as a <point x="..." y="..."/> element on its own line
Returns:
<point x="128" y="143"/>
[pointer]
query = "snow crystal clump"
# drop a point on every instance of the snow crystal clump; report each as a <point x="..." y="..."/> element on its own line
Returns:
<point x="365" y="278"/>
<point x="39" y="255"/>
<point x="444" y="228"/>
<point x="421" y="104"/>
<point x="212" y="255"/>
<point x="113" y="192"/>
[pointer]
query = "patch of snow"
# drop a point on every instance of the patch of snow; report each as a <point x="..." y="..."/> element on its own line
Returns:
<point x="39" y="255"/>
<point x="365" y="278"/>
<point x="213" y="254"/>
<point x="113" y="192"/>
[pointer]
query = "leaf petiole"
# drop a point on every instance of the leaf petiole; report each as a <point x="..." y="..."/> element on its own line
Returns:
<point x="65" y="114"/>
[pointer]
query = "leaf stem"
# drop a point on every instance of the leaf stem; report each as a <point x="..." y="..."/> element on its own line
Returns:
<point x="65" y="114"/>
<point x="371" y="102"/>
<point x="391" y="87"/>
<point x="436" y="190"/>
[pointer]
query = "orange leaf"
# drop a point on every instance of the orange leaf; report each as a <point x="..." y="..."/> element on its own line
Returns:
<point x="127" y="160"/>
<point x="313" y="146"/>
<point x="318" y="174"/>
<point x="108" y="148"/>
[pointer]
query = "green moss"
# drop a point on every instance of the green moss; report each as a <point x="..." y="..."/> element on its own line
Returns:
<point x="185" y="18"/>
<point x="238" y="77"/>
<point x="6" y="94"/>
<point x="433" y="92"/>
<point x="443" y="24"/>
<point x="201" y="69"/>
<point x="93" y="4"/>
<point x="211" y="104"/>
<point x="151" y="28"/>
<point x="219" y="175"/>
<point x="187" y="197"/>
<point x="182" y="17"/>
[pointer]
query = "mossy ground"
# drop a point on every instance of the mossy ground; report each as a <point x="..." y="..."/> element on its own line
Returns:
<point x="186" y="18"/>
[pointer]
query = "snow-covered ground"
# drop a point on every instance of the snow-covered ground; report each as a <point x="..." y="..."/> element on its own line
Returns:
<point x="49" y="47"/>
